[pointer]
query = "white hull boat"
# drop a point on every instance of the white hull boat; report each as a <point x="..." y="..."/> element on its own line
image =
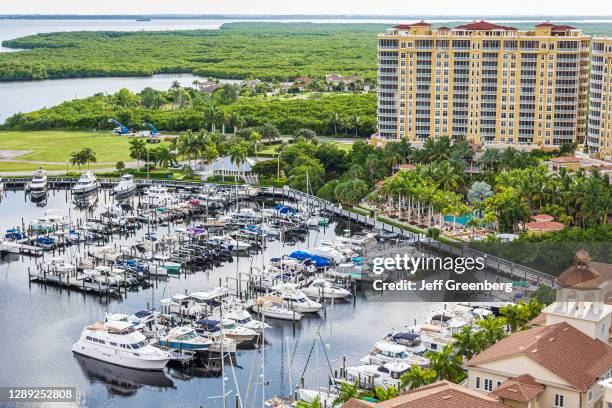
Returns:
<point x="119" y="343"/>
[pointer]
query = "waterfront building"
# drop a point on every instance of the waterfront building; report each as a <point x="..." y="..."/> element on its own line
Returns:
<point x="225" y="167"/>
<point x="582" y="297"/>
<point x="492" y="84"/>
<point x="565" y="361"/>
<point x="599" y="138"/>
<point x="439" y="394"/>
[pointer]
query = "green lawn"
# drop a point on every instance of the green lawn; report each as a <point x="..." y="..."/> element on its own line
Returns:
<point x="56" y="146"/>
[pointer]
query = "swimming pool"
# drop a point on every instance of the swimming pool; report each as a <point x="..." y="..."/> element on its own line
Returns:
<point x="463" y="220"/>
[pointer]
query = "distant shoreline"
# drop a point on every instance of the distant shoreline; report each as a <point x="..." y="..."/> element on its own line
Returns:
<point x="293" y="17"/>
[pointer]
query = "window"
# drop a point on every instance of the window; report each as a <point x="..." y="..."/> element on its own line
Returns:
<point x="488" y="384"/>
<point x="590" y="396"/>
<point x="477" y="383"/>
<point x="558" y="401"/>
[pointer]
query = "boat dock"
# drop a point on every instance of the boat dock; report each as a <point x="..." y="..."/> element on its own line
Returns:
<point x="419" y="240"/>
<point x="71" y="281"/>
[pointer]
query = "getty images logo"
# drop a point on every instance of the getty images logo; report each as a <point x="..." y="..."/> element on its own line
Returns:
<point x="410" y="264"/>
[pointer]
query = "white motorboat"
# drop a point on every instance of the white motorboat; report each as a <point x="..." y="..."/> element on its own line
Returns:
<point x="324" y="289"/>
<point x="295" y="299"/>
<point x="243" y="318"/>
<point x="210" y="329"/>
<point x="230" y="244"/>
<point x="51" y="221"/>
<point x="88" y="183"/>
<point x="59" y="265"/>
<point x="387" y="352"/>
<point x="185" y="338"/>
<point x="273" y="307"/>
<point x="326" y="398"/>
<point x="117" y="342"/>
<point x="126" y="186"/>
<point x="182" y="305"/>
<point x="39" y="183"/>
<point x="106" y="253"/>
<point x="370" y="376"/>
<point x="106" y="275"/>
<point x="158" y="196"/>
<point x="235" y="332"/>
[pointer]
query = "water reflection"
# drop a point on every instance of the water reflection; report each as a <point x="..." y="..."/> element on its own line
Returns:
<point x="121" y="381"/>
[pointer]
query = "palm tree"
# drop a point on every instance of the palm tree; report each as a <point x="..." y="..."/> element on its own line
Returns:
<point x="315" y="403"/>
<point x="493" y="329"/>
<point x="89" y="156"/>
<point x="417" y="377"/>
<point x="446" y="364"/>
<point x="255" y="139"/>
<point x="348" y="391"/>
<point x="333" y="120"/>
<point x="386" y="393"/>
<point x="355" y="123"/>
<point x="164" y="156"/>
<point x="137" y="149"/>
<point x="238" y="155"/>
<point x="225" y="120"/>
<point x="468" y="342"/>
<point x="77" y="159"/>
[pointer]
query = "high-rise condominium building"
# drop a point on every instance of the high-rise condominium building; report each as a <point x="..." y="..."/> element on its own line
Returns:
<point x="599" y="138"/>
<point x="494" y="85"/>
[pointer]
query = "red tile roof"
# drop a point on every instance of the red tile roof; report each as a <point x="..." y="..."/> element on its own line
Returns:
<point x="565" y="159"/>
<point x="556" y="27"/>
<point x="483" y="26"/>
<point x="544" y="226"/>
<point x="523" y="388"/>
<point x="419" y="24"/>
<point x="542" y="217"/>
<point x="442" y="394"/>
<point x="585" y="274"/>
<point x="560" y="348"/>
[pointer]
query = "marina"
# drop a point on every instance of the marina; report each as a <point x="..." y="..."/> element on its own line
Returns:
<point x="222" y="266"/>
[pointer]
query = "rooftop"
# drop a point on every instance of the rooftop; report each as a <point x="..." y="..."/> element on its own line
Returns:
<point x="585" y="274"/>
<point x="584" y="359"/>
<point x="523" y="388"/>
<point x="483" y="26"/>
<point x="442" y="394"/>
<point x="544" y="226"/>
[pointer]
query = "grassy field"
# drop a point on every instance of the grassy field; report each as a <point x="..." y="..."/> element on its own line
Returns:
<point x="56" y="146"/>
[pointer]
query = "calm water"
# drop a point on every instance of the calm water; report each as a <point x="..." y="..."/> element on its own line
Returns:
<point x="23" y="96"/>
<point x="41" y="323"/>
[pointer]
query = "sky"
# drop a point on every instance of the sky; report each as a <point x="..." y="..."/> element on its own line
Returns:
<point x="370" y="7"/>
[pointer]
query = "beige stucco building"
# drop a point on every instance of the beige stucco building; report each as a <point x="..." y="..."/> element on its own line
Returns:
<point x="563" y="363"/>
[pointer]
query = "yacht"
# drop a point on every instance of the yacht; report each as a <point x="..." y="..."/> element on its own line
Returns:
<point x="295" y="299"/>
<point x="324" y="289"/>
<point x="126" y="187"/>
<point x="51" y="221"/>
<point x="117" y="342"/>
<point x="88" y="183"/>
<point x="185" y="338"/>
<point x="39" y="183"/>
<point x="273" y="307"/>
<point x="235" y="332"/>
<point x="387" y="352"/>
<point x="244" y="319"/>
<point x="210" y="329"/>
<point x="158" y="196"/>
